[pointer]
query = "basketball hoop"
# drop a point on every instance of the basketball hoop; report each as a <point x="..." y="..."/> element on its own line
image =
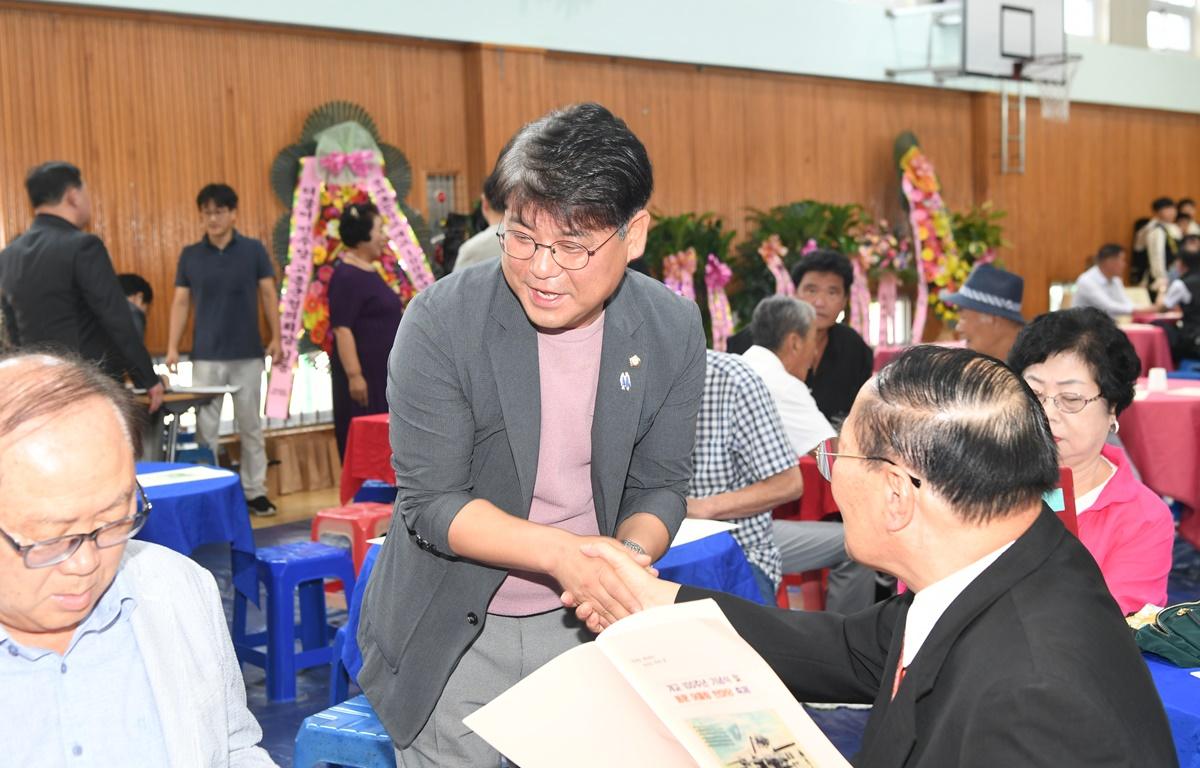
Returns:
<point x="1052" y="75"/>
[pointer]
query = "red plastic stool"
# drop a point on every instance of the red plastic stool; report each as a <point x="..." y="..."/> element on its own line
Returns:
<point x="357" y="522"/>
<point x="812" y="589"/>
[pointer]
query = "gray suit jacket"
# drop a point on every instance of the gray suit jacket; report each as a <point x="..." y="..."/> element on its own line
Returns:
<point x="464" y="395"/>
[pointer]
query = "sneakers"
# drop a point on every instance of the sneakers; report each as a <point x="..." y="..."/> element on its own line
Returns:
<point x="261" y="506"/>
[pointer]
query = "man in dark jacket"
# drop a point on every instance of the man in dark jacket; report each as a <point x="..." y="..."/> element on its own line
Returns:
<point x="58" y="288"/>
<point x="1008" y="649"/>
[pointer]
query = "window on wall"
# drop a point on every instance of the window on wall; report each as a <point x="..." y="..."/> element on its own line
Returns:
<point x="1169" y="25"/>
<point x="1079" y="17"/>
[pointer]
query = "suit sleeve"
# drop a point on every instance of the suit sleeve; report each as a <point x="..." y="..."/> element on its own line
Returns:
<point x="661" y="465"/>
<point x="98" y="284"/>
<point x="432" y="427"/>
<point x="244" y="731"/>
<point x="819" y="656"/>
<point x="1044" y="722"/>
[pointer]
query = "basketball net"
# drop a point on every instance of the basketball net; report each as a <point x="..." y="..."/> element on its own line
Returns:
<point x="1052" y="76"/>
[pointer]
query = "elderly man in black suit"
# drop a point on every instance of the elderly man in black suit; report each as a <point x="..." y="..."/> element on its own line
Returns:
<point x="58" y="288"/>
<point x="1008" y="649"/>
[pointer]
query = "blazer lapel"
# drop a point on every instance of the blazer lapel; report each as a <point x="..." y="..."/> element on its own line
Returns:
<point x="891" y="730"/>
<point x="512" y="345"/>
<point x="624" y="370"/>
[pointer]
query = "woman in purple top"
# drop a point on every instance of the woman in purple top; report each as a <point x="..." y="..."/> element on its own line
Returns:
<point x="364" y="313"/>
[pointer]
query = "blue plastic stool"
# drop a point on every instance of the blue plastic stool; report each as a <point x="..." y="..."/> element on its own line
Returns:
<point x="1188" y="365"/>
<point x="346" y="734"/>
<point x="376" y="490"/>
<point x="300" y="566"/>
<point x="193" y="453"/>
<point x="1189" y="375"/>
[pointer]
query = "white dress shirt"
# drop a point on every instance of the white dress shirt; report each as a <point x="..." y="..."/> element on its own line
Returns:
<point x="804" y="423"/>
<point x="1177" y="293"/>
<point x="1107" y="294"/>
<point x="930" y="603"/>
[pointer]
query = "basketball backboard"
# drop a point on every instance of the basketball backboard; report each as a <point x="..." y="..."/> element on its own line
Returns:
<point x="999" y="37"/>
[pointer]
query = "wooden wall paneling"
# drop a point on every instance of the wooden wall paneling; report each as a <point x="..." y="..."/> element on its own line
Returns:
<point x="153" y="107"/>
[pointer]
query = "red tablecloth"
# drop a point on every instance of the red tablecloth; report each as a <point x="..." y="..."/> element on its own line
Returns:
<point x="368" y="454"/>
<point x="885" y="355"/>
<point x="1153" y="316"/>
<point x="1161" y="432"/>
<point x="1150" y="343"/>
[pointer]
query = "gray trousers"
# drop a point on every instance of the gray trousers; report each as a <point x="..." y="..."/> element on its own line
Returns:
<point x="508" y="649"/>
<point x="247" y="414"/>
<point x="807" y="546"/>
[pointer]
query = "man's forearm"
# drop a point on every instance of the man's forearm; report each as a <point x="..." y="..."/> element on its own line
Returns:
<point x="483" y="532"/>
<point x="648" y="531"/>
<point x="752" y="500"/>
<point x="179" y="314"/>
<point x="270" y="305"/>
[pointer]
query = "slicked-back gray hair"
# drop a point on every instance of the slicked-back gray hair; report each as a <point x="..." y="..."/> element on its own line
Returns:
<point x="777" y="316"/>
<point x="580" y="165"/>
<point x="38" y="385"/>
<point x="966" y="424"/>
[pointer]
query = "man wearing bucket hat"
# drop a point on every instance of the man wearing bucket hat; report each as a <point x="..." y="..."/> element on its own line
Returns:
<point x="989" y="310"/>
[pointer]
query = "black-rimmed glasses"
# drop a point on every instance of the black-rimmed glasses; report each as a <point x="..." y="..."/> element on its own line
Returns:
<point x="566" y="253"/>
<point x="43" y="554"/>
<point x="825" y="458"/>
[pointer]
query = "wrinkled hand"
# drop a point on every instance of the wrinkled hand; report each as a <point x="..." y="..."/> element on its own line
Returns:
<point x="155" y="395"/>
<point x="358" y="390"/>
<point x="586" y="578"/>
<point x="642" y="582"/>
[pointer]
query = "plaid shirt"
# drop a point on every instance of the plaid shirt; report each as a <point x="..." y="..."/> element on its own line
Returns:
<point x="740" y="441"/>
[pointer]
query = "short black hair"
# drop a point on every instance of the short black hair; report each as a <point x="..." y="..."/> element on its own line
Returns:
<point x="824" y="260"/>
<point x="48" y="182"/>
<point x="964" y="423"/>
<point x="1092" y="336"/>
<point x="131" y="284"/>
<point x="1162" y="202"/>
<point x="1191" y="256"/>
<point x="220" y="195"/>
<point x="356" y="224"/>
<point x="1109" y="251"/>
<point x="580" y="165"/>
<point x="1185" y="201"/>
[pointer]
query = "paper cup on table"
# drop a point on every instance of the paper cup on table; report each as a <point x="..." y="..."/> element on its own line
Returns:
<point x="1156" y="380"/>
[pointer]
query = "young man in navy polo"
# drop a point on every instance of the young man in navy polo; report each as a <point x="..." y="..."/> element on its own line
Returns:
<point x="226" y="273"/>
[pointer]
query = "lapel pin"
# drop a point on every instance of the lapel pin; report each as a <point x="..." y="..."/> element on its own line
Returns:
<point x="635" y="361"/>
<point x="626" y="382"/>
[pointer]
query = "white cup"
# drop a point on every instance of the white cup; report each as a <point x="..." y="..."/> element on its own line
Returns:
<point x="1156" y="380"/>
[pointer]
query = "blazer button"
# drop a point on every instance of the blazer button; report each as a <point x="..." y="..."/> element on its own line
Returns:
<point x="472" y="619"/>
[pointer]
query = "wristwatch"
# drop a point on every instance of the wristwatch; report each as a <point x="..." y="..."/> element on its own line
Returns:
<point x="633" y="546"/>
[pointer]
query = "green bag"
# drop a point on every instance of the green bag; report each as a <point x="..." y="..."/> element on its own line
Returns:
<point x="1174" y="634"/>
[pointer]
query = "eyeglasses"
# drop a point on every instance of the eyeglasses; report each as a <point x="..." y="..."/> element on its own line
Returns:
<point x="566" y="253"/>
<point x="825" y="458"/>
<point x="1066" y="402"/>
<point x="43" y="554"/>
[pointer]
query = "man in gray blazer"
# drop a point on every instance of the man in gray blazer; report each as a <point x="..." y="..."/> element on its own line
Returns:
<point x="112" y="652"/>
<point x="537" y="404"/>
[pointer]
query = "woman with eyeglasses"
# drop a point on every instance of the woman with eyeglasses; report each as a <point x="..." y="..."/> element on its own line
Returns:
<point x="1083" y="369"/>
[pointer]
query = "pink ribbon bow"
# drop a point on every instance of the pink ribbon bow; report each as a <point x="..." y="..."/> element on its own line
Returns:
<point x="772" y="251"/>
<point x="359" y="162"/>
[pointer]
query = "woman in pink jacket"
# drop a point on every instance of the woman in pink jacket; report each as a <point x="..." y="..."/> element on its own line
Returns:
<point x="1083" y="369"/>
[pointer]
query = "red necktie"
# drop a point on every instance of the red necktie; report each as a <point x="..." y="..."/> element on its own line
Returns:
<point x="900" y="670"/>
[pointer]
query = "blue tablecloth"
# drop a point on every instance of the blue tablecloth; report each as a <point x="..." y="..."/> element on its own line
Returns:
<point x="1180" y="693"/>
<point x="187" y="515"/>
<point x="715" y="562"/>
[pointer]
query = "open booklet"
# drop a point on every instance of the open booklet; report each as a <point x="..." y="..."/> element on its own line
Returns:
<point x="671" y="686"/>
